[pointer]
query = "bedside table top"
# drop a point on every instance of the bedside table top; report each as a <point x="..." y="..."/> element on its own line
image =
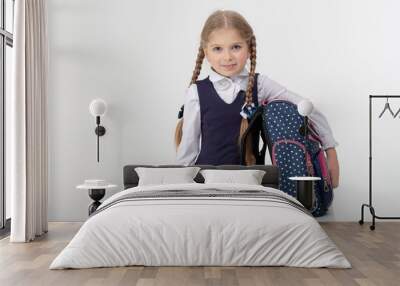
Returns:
<point x="92" y="187"/>
<point x="305" y="178"/>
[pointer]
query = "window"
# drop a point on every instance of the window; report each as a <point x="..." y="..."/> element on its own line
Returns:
<point x="6" y="44"/>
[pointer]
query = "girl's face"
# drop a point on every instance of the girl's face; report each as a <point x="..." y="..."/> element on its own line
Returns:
<point x="226" y="51"/>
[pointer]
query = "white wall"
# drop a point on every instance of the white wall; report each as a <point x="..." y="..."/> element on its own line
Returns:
<point x="139" y="56"/>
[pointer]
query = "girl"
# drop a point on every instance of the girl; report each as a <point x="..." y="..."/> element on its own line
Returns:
<point x="216" y="108"/>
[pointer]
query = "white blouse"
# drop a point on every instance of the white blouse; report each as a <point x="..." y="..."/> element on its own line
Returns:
<point x="228" y="88"/>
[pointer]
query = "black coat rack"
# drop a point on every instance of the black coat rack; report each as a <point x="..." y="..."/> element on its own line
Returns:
<point x="371" y="208"/>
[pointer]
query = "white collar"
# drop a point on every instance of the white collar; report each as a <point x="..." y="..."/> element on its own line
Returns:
<point x="215" y="77"/>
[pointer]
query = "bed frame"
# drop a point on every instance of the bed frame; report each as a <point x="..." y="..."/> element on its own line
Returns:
<point x="270" y="178"/>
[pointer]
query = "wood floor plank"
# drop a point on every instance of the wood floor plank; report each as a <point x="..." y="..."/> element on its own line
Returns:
<point x="374" y="255"/>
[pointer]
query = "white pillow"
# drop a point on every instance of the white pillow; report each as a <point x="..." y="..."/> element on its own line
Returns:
<point x="248" y="177"/>
<point x="164" y="176"/>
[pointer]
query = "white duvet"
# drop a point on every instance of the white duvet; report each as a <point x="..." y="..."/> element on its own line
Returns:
<point x="200" y="231"/>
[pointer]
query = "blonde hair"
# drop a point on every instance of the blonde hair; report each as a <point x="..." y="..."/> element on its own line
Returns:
<point x="227" y="19"/>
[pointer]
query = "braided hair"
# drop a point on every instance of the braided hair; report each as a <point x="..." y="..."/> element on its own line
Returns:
<point x="196" y="72"/>
<point x="249" y="159"/>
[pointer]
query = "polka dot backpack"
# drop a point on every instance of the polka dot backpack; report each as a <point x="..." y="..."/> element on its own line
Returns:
<point x="286" y="145"/>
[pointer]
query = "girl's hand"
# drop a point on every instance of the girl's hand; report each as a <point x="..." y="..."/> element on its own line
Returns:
<point x="333" y="166"/>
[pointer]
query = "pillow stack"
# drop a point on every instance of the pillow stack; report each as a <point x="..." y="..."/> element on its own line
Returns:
<point x="186" y="175"/>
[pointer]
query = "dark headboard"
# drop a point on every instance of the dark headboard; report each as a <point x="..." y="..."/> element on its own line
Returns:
<point x="270" y="178"/>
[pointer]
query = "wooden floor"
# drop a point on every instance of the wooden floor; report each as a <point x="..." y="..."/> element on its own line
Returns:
<point x="374" y="255"/>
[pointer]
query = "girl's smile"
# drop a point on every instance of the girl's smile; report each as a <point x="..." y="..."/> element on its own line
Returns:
<point x="226" y="51"/>
<point x="229" y="67"/>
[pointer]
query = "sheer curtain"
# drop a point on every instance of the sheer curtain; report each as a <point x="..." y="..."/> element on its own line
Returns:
<point x="28" y="122"/>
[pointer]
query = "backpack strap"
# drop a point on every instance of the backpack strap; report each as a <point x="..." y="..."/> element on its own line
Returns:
<point x="255" y="130"/>
<point x="255" y="90"/>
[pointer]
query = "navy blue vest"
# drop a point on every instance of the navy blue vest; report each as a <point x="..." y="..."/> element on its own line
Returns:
<point x="220" y="125"/>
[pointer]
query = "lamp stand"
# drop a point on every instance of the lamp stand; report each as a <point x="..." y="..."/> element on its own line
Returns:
<point x="100" y="131"/>
<point x="305" y="143"/>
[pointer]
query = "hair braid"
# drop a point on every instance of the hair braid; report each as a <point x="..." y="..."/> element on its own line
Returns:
<point x="196" y="73"/>
<point x="253" y="57"/>
<point x="199" y="63"/>
<point x="249" y="158"/>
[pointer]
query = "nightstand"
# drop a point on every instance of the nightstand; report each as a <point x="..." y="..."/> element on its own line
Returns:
<point x="97" y="190"/>
<point x="305" y="190"/>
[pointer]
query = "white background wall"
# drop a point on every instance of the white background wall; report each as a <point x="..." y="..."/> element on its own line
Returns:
<point x="139" y="57"/>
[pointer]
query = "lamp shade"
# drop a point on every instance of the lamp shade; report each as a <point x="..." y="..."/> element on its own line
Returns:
<point x="98" y="107"/>
<point x="305" y="107"/>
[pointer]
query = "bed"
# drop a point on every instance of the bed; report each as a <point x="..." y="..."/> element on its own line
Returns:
<point x="201" y="224"/>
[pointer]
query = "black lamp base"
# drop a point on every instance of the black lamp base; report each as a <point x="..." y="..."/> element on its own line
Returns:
<point x="305" y="193"/>
<point x="96" y="195"/>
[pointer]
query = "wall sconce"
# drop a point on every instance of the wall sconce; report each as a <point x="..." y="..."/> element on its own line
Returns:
<point x="305" y="185"/>
<point x="97" y="108"/>
<point x="305" y="107"/>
